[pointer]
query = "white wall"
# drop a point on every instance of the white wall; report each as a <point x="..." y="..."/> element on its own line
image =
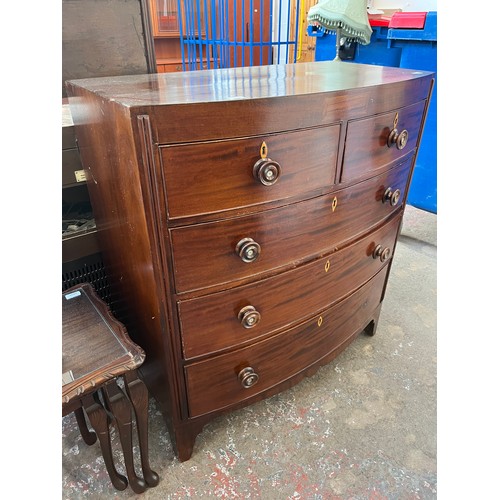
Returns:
<point x="406" y="5"/>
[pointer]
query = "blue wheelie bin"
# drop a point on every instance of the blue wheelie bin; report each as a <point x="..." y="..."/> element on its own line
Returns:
<point x="404" y="40"/>
<point x="419" y="51"/>
<point x="376" y="52"/>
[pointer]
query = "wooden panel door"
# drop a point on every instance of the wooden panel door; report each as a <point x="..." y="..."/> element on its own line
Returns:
<point x="249" y="22"/>
<point x="306" y="44"/>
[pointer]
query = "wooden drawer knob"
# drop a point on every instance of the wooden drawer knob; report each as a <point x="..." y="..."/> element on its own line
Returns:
<point x="382" y="253"/>
<point x="248" y="250"/>
<point x="400" y="139"/>
<point x="266" y="171"/>
<point x="249" y="316"/>
<point x="391" y="196"/>
<point x="248" y="377"/>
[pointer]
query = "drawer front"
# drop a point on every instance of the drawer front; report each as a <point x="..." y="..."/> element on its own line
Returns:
<point x="226" y="319"/>
<point x="211" y="177"/>
<point x="368" y="148"/>
<point x="249" y="246"/>
<point x="214" y="383"/>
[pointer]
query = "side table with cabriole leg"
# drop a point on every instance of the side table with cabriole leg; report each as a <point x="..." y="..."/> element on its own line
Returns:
<point x="99" y="363"/>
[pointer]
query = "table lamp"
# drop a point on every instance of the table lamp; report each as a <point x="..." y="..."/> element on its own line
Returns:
<point x="348" y="18"/>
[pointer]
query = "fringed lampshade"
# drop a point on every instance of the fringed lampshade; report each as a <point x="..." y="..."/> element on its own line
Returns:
<point x="347" y="18"/>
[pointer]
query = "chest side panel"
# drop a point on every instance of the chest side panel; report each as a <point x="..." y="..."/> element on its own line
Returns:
<point x="126" y="214"/>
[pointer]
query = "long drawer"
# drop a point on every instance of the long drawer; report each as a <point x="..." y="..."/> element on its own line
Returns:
<point x="213" y="176"/>
<point x="218" y="382"/>
<point x="249" y="246"/>
<point x="368" y="148"/>
<point x="225" y="319"/>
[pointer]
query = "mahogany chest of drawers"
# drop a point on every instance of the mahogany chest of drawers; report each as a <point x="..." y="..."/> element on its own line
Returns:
<point x="247" y="219"/>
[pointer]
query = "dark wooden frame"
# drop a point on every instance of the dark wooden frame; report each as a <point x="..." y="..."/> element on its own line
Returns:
<point x="131" y="360"/>
<point x="99" y="395"/>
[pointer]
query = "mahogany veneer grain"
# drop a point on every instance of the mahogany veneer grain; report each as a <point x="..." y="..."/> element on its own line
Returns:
<point x="169" y="161"/>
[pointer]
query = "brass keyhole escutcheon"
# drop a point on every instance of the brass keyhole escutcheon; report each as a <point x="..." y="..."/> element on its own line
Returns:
<point x="334" y="204"/>
<point x="263" y="150"/>
<point x="320" y="320"/>
<point x="327" y="266"/>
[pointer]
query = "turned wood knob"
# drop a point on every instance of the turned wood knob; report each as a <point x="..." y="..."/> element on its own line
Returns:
<point x="248" y="250"/>
<point x="249" y="316"/>
<point x="382" y="253"/>
<point x="400" y="139"/>
<point x="266" y="171"/>
<point x="248" y="377"/>
<point x="391" y="196"/>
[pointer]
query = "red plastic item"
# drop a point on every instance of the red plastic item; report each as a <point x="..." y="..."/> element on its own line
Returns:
<point x="379" y="20"/>
<point x="413" y="20"/>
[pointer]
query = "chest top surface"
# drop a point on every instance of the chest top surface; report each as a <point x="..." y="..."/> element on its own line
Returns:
<point x="243" y="83"/>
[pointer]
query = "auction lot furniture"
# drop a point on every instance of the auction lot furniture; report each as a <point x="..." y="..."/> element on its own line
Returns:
<point x="247" y="219"/>
<point x="96" y="352"/>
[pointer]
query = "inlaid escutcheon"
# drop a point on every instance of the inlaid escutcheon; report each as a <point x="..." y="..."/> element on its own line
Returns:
<point x="263" y="150"/>
<point x="334" y="203"/>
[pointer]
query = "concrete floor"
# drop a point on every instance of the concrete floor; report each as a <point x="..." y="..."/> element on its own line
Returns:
<point x="364" y="427"/>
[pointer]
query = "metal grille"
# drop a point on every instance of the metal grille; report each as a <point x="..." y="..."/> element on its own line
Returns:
<point x="231" y="33"/>
<point x="89" y="269"/>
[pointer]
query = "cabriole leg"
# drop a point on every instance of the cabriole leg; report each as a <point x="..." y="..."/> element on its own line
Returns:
<point x="100" y="422"/>
<point x="88" y="436"/>
<point x="120" y="408"/>
<point x="138" y="394"/>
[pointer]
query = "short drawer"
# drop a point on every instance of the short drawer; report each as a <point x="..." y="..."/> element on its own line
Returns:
<point x="369" y="143"/>
<point x="213" y="176"/>
<point x="225" y="319"/>
<point x="253" y="245"/>
<point x="217" y="382"/>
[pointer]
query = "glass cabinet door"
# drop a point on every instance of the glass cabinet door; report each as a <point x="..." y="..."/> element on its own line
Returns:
<point x="165" y="15"/>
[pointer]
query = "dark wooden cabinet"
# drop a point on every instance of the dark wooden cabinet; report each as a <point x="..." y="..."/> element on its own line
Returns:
<point x="79" y="237"/>
<point x="247" y="218"/>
